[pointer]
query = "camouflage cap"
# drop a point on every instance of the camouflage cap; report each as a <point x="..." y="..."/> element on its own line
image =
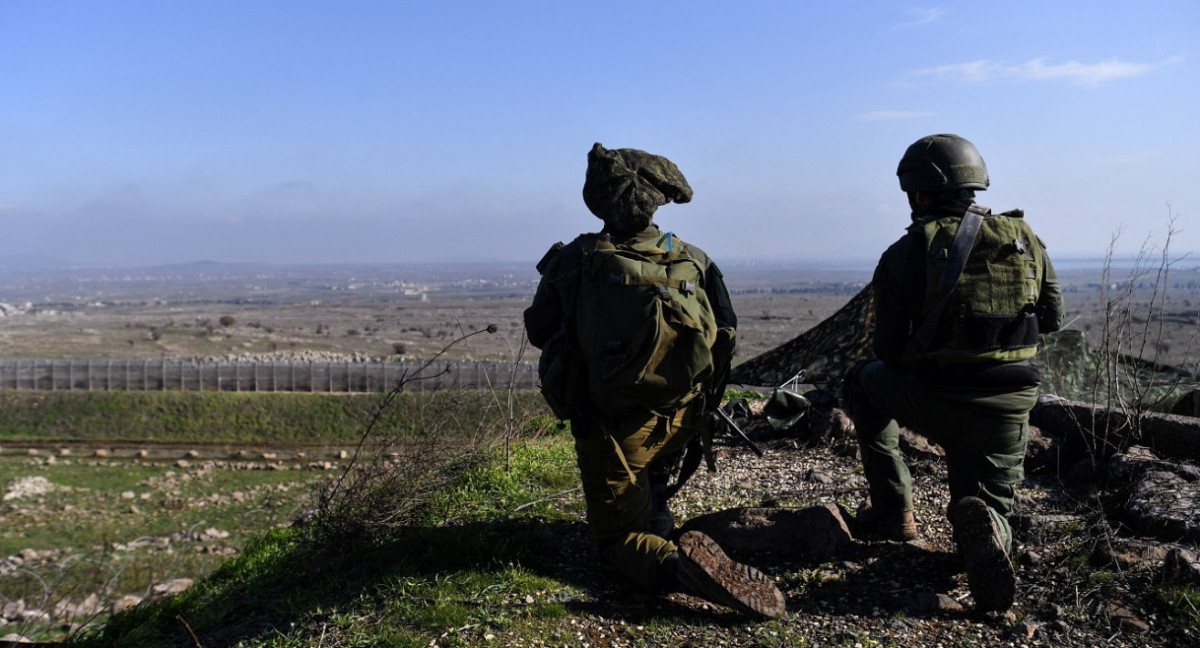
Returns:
<point x="625" y="186"/>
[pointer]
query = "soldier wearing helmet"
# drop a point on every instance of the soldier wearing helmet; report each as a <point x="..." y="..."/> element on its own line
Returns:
<point x="961" y="300"/>
<point x="626" y="455"/>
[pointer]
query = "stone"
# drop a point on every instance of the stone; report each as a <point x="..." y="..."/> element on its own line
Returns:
<point x="173" y="586"/>
<point x="1181" y="566"/>
<point x="815" y="534"/>
<point x="125" y="602"/>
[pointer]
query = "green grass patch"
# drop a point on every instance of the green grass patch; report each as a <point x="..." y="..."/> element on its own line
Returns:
<point x="478" y="567"/>
<point x="233" y="417"/>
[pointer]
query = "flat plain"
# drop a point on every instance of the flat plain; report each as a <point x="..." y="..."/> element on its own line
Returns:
<point x="161" y="523"/>
<point x="412" y="312"/>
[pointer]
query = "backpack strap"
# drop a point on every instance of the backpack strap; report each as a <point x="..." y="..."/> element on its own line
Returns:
<point x="960" y="249"/>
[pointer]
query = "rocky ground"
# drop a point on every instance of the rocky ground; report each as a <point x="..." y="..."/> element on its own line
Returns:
<point x="1099" y="561"/>
<point x="1105" y="554"/>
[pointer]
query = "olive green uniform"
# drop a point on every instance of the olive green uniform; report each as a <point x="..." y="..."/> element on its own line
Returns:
<point x="617" y="453"/>
<point x="974" y="403"/>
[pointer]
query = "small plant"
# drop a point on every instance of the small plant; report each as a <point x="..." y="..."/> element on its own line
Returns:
<point x="227" y="320"/>
<point x="400" y="464"/>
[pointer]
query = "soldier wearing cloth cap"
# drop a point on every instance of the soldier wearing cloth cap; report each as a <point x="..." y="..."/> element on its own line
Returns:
<point x="960" y="301"/>
<point x="623" y="456"/>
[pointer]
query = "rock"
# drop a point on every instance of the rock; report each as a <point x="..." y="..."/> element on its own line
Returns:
<point x="28" y="487"/>
<point x="12" y="610"/>
<point x="1043" y="454"/>
<point x="813" y="534"/>
<point x="818" y="476"/>
<point x="214" y="534"/>
<point x="1128" y="553"/>
<point x="1162" y="497"/>
<point x="125" y="602"/>
<point x="1181" y="566"/>
<point x="915" y="444"/>
<point x="1124" y="618"/>
<point x="1025" y="630"/>
<point x="170" y="587"/>
<point x="926" y="603"/>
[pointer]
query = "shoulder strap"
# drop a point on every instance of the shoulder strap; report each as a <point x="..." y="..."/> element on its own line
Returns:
<point x="960" y="249"/>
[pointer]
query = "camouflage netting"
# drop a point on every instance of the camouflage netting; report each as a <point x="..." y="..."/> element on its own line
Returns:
<point x="1070" y="369"/>
<point x="824" y="352"/>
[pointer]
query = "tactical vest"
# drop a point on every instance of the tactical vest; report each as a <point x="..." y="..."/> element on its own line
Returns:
<point x="991" y="313"/>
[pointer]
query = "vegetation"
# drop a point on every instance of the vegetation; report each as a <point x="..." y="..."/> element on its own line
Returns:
<point x="220" y="417"/>
<point x="467" y="564"/>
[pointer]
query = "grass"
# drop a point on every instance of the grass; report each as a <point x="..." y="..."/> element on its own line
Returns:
<point x="226" y="417"/>
<point x="473" y="569"/>
<point x="113" y="527"/>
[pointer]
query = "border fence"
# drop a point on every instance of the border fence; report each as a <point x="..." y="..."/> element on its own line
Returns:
<point x="290" y="376"/>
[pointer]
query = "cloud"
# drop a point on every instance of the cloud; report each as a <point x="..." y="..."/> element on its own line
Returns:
<point x="891" y="115"/>
<point x="1087" y="74"/>
<point x="922" y="16"/>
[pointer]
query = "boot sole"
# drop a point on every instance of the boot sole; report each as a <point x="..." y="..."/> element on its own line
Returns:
<point x="748" y="589"/>
<point x="990" y="574"/>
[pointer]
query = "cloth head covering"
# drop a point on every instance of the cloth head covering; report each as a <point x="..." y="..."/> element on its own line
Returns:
<point x="625" y="186"/>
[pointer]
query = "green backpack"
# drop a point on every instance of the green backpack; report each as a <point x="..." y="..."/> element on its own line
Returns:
<point x="643" y="330"/>
<point x="990" y="315"/>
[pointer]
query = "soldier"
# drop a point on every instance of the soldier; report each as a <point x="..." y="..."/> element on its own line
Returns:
<point x="625" y="453"/>
<point x="960" y="301"/>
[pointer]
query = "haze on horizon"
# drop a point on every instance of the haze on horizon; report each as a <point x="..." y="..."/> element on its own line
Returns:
<point x="139" y="134"/>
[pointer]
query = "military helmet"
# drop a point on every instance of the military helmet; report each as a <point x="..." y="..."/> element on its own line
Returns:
<point x="942" y="163"/>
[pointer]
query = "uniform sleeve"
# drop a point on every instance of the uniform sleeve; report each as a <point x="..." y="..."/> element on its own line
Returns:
<point x="1050" y="309"/>
<point x="544" y="317"/>
<point x="896" y="285"/>
<point x="726" y="343"/>
<point x="718" y="296"/>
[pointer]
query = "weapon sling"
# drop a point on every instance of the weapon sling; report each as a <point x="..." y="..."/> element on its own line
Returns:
<point x="960" y="249"/>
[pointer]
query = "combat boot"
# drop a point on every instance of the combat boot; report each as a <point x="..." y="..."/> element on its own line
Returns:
<point x="703" y="570"/>
<point x="990" y="574"/>
<point x="877" y="524"/>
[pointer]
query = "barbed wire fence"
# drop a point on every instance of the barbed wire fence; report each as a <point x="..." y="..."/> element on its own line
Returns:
<point x="258" y="376"/>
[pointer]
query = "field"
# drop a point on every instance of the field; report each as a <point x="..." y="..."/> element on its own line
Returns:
<point x="222" y="312"/>
<point x="124" y="526"/>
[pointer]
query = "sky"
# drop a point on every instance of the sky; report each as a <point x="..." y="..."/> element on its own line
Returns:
<point x="140" y="133"/>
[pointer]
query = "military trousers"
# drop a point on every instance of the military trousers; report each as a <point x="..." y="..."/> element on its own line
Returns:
<point x="983" y="431"/>
<point x="615" y="458"/>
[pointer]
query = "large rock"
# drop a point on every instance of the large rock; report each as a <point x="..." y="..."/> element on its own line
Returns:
<point x="1162" y="498"/>
<point x="1181" y="567"/>
<point x="810" y="534"/>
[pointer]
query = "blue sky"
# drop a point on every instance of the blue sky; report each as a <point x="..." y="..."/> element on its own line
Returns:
<point x="140" y="133"/>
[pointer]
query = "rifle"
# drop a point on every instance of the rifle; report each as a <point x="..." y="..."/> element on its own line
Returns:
<point x="701" y="447"/>
<point x="734" y="426"/>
